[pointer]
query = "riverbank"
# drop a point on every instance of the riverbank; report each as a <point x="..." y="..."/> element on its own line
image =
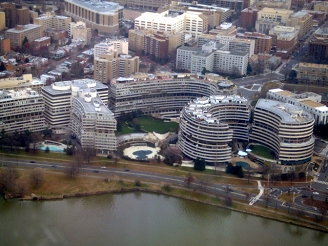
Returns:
<point x="89" y="186"/>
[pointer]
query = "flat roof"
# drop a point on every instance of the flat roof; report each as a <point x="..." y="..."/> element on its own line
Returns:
<point x="312" y="104"/>
<point x="90" y="107"/>
<point x="103" y="7"/>
<point x="289" y="113"/>
<point x="24" y="29"/>
<point x="285" y="93"/>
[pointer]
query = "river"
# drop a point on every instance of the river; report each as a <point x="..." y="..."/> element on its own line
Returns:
<point x="141" y="219"/>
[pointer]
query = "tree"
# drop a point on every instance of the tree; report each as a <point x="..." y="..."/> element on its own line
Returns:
<point x="36" y="178"/>
<point x="8" y="178"/>
<point x="292" y="74"/>
<point x="47" y="150"/>
<point x="249" y="68"/>
<point x="72" y="169"/>
<point x="205" y="71"/>
<point x="189" y="179"/>
<point x="199" y="164"/>
<point x="25" y="41"/>
<point x="89" y="153"/>
<point x="259" y="67"/>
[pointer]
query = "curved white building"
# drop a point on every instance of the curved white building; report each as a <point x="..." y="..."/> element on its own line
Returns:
<point x="284" y="128"/>
<point x="164" y="96"/>
<point x="208" y="125"/>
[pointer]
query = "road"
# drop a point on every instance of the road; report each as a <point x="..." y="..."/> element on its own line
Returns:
<point x="214" y="189"/>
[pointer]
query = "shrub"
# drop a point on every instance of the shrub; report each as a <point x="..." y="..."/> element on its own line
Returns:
<point x="137" y="183"/>
<point x="167" y="188"/>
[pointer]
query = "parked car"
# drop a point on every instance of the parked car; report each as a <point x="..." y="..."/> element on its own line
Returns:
<point x="315" y="193"/>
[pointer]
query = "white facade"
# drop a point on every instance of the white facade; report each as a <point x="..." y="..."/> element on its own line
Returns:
<point x="309" y="101"/>
<point x="183" y="58"/>
<point x="203" y="59"/>
<point x="58" y="99"/>
<point x="231" y="62"/>
<point x="121" y="46"/>
<point x="21" y="110"/>
<point x="193" y="23"/>
<point x="92" y="122"/>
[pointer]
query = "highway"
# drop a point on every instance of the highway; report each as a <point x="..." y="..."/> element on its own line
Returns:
<point x="220" y="190"/>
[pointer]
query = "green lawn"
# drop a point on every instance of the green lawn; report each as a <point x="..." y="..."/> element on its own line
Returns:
<point x="150" y="124"/>
<point x="262" y="151"/>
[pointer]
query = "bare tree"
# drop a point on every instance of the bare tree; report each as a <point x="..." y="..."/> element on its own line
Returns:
<point x="247" y="196"/>
<point x="89" y="153"/>
<point x="35" y="139"/>
<point x="189" y="179"/>
<point x="72" y="169"/>
<point x="228" y="201"/>
<point x="259" y="67"/>
<point x="36" y="178"/>
<point x="8" y="179"/>
<point x="22" y="188"/>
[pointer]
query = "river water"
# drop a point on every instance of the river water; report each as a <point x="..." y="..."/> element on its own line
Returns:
<point x="141" y="219"/>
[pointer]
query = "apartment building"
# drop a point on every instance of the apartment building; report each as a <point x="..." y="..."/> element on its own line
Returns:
<point x="242" y="45"/>
<point x="121" y="46"/>
<point x="109" y="66"/>
<point x="312" y="74"/>
<point x="318" y="45"/>
<point x="101" y="15"/>
<point x="146" y="5"/>
<point x="231" y="62"/>
<point x="80" y="31"/>
<point x="2" y="20"/>
<point x="22" y="83"/>
<point x="318" y="17"/>
<point x="234" y="5"/>
<point x="274" y="4"/>
<point x="262" y="42"/>
<point x="193" y="23"/>
<point x="320" y="6"/>
<point x="15" y="14"/>
<point x="285" y="38"/>
<point x="284" y="128"/>
<point x="302" y="21"/>
<point x="216" y="15"/>
<point x="92" y="123"/>
<point x="183" y="58"/>
<point x="248" y="17"/>
<point x="21" y="110"/>
<point x="264" y="26"/>
<point x="209" y="124"/>
<point x="309" y="101"/>
<point x="17" y="35"/>
<point x="203" y="59"/>
<point x="164" y="95"/>
<point x="225" y="61"/>
<point x="4" y="45"/>
<point x="274" y="14"/>
<point x="58" y="100"/>
<point x="51" y="20"/>
<point x="137" y="39"/>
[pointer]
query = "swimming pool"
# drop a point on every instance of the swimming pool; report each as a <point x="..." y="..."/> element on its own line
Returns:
<point x="53" y="148"/>
<point x="245" y="165"/>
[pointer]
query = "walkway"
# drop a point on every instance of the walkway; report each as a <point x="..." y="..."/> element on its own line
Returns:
<point x="254" y="199"/>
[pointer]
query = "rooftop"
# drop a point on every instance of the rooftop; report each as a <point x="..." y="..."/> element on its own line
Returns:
<point x="23" y="28"/>
<point x="103" y="7"/>
<point x="289" y="113"/>
<point x="7" y="95"/>
<point x="93" y="104"/>
<point x="200" y="108"/>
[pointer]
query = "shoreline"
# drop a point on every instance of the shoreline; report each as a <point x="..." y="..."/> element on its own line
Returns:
<point x="34" y="197"/>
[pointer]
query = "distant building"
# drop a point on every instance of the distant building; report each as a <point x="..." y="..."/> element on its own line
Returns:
<point x="320" y="6"/>
<point x="18" y="34"/>
<point x="274" y="14"/>
<point x="2" y="21"/>
<point x="285" y="38"/>
<point x="312" y="74"/>
<point x="92" y="123"/>
<point x="4" y="45"/>
<point x="101" y="15"/>
<point x="248" y="17"/>
<point x="21" y="83"/>
<point x="302" y="21"/>
<point x="264" y="26"/>
<point x="193" y="23"/>
<point x="50" y="20"/>
<point x="318" y="45"/>
<point x="111" y="65"/>
<point x="15" y="14"/>
<point x="79" y="31"/>
<point x="262" y="42"/>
